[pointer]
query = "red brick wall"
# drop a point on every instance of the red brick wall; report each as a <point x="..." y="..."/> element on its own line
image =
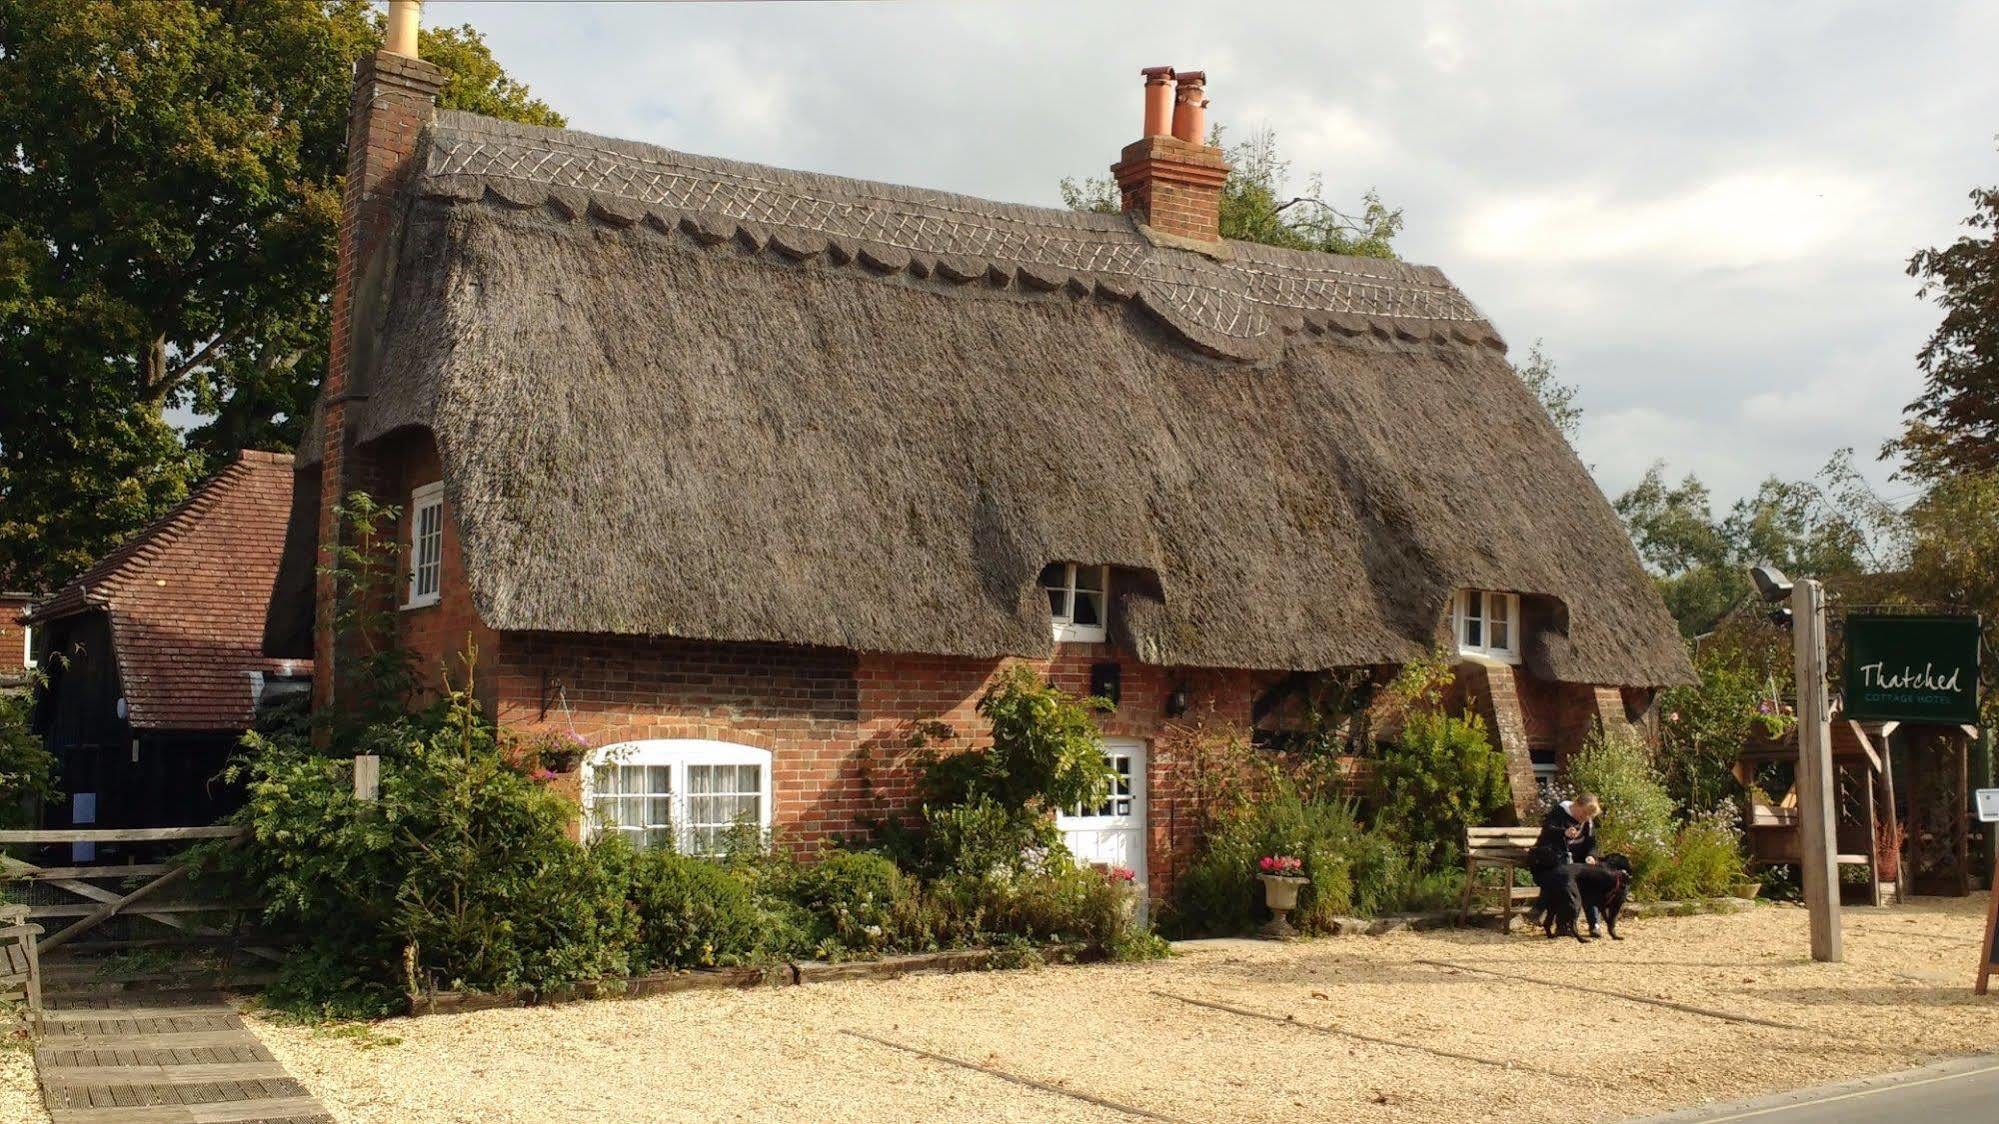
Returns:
<point x="12" y="637"/>
<point x="392" y="100"/>
<point x="440" y="635"/>
<point x="846" y="731"/>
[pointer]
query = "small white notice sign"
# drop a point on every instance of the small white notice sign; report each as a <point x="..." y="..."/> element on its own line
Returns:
<point x="1988" y="805"/>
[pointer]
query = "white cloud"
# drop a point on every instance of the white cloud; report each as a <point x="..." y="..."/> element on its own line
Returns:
<point x="1739" y="219"/>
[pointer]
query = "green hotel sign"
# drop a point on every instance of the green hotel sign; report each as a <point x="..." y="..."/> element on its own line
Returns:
<point x="1912" y="669"/>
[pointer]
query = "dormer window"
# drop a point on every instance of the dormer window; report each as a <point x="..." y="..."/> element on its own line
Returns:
<point x="1487" y="624"/>
<point x="1076" y="598"/>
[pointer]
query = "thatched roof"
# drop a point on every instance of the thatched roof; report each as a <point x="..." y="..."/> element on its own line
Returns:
<point x="691" y="397"/>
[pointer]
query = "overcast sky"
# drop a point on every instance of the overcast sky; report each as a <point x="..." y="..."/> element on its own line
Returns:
<point x="1704" y="210"/>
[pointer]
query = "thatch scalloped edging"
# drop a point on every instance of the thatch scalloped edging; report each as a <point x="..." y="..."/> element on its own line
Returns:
<point x="788" y="974"/>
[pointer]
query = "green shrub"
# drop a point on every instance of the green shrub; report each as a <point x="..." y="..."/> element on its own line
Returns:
<point x="1441" y="776"/>
<point x="1353" y="871"/>
<point x="861" y="904"/>
<point x="1637" y="816"/>
<point x="691" y="912"/>
<point x="982" y="839"/>
<point x="462" y="873"/>
<point x="1061" y="903"/>
<point x="1707" y="858"/>
<point x="1045" y="752"/>
<point x="1701" y="857"/>
<point x="27" y="770"/>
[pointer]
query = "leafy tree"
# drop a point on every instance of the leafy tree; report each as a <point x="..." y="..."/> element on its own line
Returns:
<point x="1953" y="558"/>
<point x="1830" y="526"/>
<point x="1253" y="207"/>
<point x="1954" y="426"/>
<point x="1555" y="396"/>
<point x="167" y="240"/>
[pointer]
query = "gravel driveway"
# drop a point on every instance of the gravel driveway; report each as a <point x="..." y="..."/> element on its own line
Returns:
<point x="1411" y="1026"/>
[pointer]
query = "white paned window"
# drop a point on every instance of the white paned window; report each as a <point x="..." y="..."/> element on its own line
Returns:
<point x="1117" y="799"/>
<point x="27" y="646"/>
<point x="1076" y="599"/>
<point x="1487" y="624"/>
<point x="680" y="793"/>
<point x="426" y="545"/>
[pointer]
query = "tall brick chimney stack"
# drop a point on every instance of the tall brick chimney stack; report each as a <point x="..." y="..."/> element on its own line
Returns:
<point x="1171" y="178"/>
<point x="395" y="94"/>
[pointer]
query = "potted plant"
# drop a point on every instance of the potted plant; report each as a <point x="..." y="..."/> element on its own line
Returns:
<point x="1281" y="876"/>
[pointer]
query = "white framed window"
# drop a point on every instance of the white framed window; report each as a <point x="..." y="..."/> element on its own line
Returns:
<point x="1077" y="596"/>
<point x="1487" y="624"/>
<point x="27" y="645"/>
<point x="426" y="523"/>
<point x="682" y="793"/>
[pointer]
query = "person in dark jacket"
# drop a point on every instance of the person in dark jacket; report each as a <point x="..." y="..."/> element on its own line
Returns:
<point x="1567" y="843"/>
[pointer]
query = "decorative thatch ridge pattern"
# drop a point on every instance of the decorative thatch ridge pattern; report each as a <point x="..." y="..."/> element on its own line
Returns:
<point x="676" y="396"/>
<point x="1232" y="307"/>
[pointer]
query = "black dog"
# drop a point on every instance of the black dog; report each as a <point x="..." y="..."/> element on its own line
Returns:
<point x="1604" y="884"/>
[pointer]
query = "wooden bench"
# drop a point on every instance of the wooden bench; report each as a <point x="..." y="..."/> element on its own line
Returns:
<point x="1504" y="849"/>
<point x="20" y="968"/>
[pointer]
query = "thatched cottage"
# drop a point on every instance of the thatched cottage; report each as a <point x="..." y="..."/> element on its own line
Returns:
<point x="744" y="474"/>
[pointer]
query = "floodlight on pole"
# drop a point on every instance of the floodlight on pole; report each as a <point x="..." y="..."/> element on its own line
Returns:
<point x="1771" y="584"/>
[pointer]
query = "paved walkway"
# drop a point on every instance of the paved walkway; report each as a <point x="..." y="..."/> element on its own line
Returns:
<point x="1963" y="1089"/>
<point x="154" y="1060"/>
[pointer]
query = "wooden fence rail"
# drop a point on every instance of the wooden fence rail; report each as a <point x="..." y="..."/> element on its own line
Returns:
<point x="100" y="903"/>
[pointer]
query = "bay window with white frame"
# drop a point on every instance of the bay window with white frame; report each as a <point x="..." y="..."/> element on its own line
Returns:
<point x="684" y="794"/>
<point x="1487" y="624"/>
<point x="1077" y="598"/>
<point x="426" y="546"/>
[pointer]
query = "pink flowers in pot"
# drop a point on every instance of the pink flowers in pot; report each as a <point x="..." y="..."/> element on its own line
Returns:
<point x="1281" y="866"/>
<point x="1121" y="874"/>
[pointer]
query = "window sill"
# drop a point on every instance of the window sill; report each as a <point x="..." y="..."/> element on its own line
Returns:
<point x="426" y="603"/>
<point x="1489" y="658"/>
<point x="1080" y="634"/>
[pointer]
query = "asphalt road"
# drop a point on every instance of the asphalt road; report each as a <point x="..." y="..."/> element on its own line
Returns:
<point x="1965" y="1091"/>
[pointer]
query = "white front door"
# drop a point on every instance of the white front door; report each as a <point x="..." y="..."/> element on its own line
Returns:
<point x="1113" y="832"/>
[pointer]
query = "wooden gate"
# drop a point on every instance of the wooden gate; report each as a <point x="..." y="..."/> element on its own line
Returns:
<point x="100" y="893"/>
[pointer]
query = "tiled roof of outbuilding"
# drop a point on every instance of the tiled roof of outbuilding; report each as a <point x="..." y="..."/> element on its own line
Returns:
<point x="187" y="598"/>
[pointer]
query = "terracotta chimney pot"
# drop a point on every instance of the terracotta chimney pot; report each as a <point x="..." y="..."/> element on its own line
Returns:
<point x="1171" y="181"/>
<point x="1190" y="107"/>
<point x="1158" y="100"/>
<point x="405" y="16"/>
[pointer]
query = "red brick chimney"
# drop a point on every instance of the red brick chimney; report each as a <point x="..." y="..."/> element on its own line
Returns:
<point x="395" y="94"/>
<point x="1170" y="177"/>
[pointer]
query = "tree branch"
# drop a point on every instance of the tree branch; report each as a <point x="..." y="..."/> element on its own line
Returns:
<point x="221" y="339"/>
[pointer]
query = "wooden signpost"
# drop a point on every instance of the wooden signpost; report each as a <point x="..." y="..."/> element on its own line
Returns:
<point x="1815" y="796"/>
<point x="1988" y="961"/>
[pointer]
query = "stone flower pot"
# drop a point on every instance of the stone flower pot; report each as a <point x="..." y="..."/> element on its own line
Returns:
<point x="1280" y="893"/>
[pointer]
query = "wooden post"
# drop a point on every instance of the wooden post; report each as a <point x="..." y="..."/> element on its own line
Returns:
<point x="1894" y="817"/>
<point x="1816" y="809"/>
<point x="367" y="777"/>
<point x="1989" y="955"/>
